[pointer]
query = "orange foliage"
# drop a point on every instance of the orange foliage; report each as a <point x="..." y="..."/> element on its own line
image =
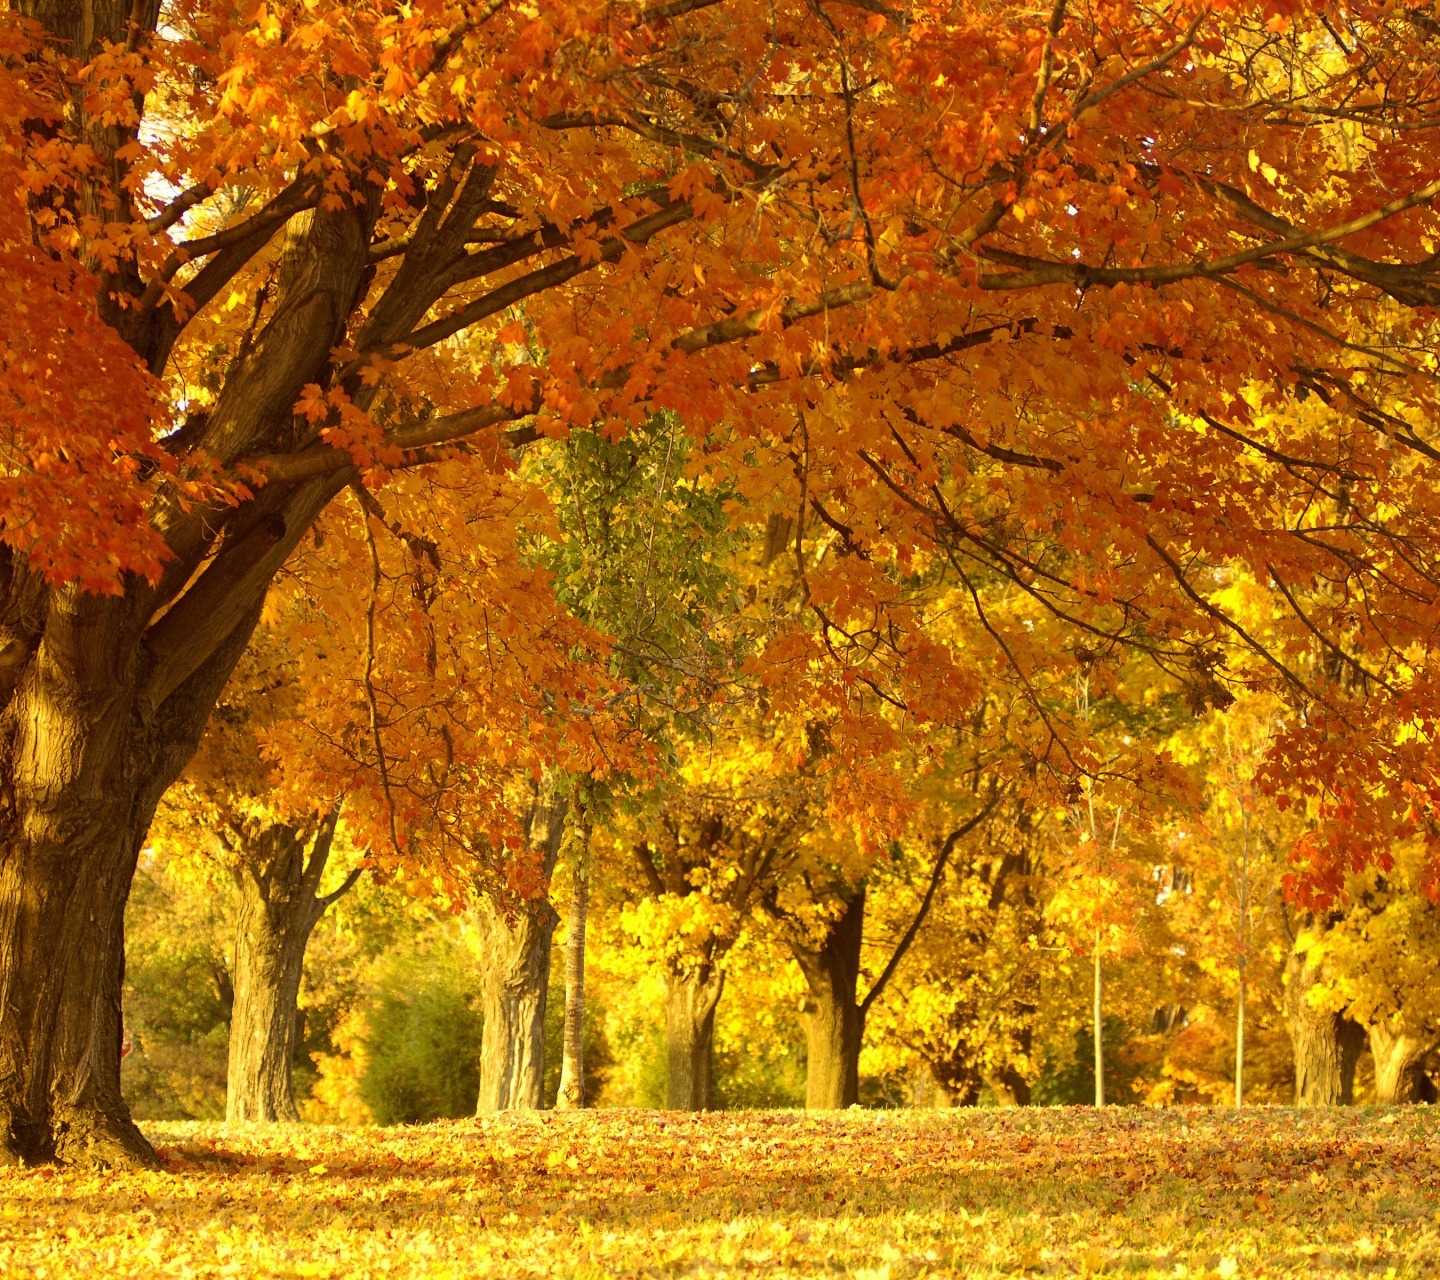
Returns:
<point x="1099" y="314"/>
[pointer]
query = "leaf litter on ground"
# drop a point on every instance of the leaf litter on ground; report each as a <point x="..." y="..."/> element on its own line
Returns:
<point x="1185" y="1192"/>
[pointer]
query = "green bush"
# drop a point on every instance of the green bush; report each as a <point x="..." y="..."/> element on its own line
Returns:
<point x="177" y="995"/>
<point x="422" y="1040"/>
<point x="1068" y="1079"/>
<point x="759" y="1079"/>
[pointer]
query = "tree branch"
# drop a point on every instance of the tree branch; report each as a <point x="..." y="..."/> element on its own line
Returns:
<point x="941" y="861"/>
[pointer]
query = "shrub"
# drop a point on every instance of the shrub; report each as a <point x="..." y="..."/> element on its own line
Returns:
<point x="422" y="1033"/>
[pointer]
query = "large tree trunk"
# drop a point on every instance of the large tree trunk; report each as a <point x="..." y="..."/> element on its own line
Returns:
<point x="279" y="908"/>
<point x="691" y="999"/>
<point x="1327" y="1045"/>
<point x="512" y="1045"/>
<point x="834" y="1020"/>
<point x="571" y="1094"/>
<point x="1400" y="1077"/>
<point x="83" y="763"/>
<point x="103" y="699"/>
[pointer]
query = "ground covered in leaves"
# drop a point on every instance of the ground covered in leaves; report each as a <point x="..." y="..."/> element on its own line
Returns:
<point x="1185" y="1192"/>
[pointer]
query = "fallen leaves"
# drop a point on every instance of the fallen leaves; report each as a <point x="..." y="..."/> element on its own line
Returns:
<point x="628" y="1193"/>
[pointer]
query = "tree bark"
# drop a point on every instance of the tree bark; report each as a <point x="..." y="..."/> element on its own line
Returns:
<point x="512" y="1045"/>
<point x="83" y="763"/>
<point x="1400" y="1077"/>
<point x="1326" y="1045"/>
<point x="571" y="1094"/>
<point x="834" y="1021"/>
<point x="279" y="909"/>
<point x="691" y="999"/>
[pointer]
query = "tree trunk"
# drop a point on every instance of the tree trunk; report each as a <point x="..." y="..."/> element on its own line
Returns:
<point x="279" y="909"/>
<point x="571" y="1094"/>
<point x="691" y="999"/>
<point x="512" y="1045"/>
<point x="834" y="1021"/>
<point x="1327" y="1045"/>
<point x="1240" y="1040"/>
<point x="1010" y="1088"/>
<point x="83" y="763"/>
<point x="1400" y="1077"/>
<point x="1098" y="1027"/>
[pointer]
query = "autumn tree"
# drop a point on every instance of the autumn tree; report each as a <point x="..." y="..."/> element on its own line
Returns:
<point x="945" y="281"/>
<point x="639" y="552"/>
<point x="708" y="848"/>
<point x="1379" y="963"/>
<point x="285" y="755"/>
<point x="225" y="807"/>
<point x="968" y="1004"/>
<point x="820" y="912"/>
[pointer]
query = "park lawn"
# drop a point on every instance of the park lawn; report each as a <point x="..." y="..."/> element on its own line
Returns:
<point x="1184" y="1192"/>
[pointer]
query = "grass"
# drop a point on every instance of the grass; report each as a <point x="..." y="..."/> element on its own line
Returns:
<point x="883" y="1195"/>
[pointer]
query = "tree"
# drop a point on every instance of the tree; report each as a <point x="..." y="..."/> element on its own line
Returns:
<point x="1381" y="958"/>
<point x="517" y="978"/>
<point x="1234" y="849"/>
<point x="969" y="1003"/>
<point x="231" y="807"/>
<point x="953" y="282"/>
<point x="821" y="914"/>
<point x="642" y="553"/>
<point x="708" y="850"/>
<point x="280" y="904"/>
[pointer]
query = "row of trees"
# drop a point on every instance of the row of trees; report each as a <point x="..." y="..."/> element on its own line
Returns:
<point x="1036" y="349"/>
<point x="993" y="1002"/>
<point x="983" y="915"/>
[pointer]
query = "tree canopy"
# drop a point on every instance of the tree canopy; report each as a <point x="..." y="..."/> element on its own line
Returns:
<point x="1036" y="344"/>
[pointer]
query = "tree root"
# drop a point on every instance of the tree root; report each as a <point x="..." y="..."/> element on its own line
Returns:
<point x="86" y="1138"/>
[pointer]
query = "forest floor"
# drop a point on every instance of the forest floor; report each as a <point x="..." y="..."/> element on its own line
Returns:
<point x="883" y="1195"/>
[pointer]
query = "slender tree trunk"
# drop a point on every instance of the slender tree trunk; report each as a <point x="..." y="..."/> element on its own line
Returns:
<point x="691" y="999"/>
<point x="279" y="909"/>
<point x="1099" y="1028"/>
<point x="571" y="1094"/>
<point x="512" y="1046"/>
<point x="1400" y="1077"/>
<point x="834" y="1020"/>
<point x="1240" y="1042"/>
<point x="1327" y="1045"/>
